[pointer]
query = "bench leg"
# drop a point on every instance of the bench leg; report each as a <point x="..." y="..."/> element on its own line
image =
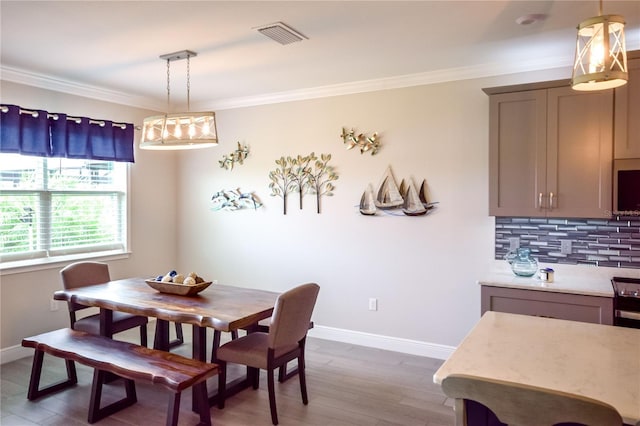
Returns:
<point x="174" y="409"/>
<point x="95" y="412"/>
<point x="200" y="392"/>
<point x="201" y="400"/>
<point x="34" y="390"/>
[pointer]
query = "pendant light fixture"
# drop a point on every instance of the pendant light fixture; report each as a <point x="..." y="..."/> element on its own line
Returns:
<point x="185" y="130"/>
<point x="601" y="56"/>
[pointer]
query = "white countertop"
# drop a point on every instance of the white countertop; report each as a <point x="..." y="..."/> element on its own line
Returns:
<point x="590" y="281"/>
<point x="589" y="286"/>
<point x="597" y="361"/>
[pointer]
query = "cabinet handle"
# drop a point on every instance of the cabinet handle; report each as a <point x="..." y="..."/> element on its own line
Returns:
<point x="551" y="201"/>
<point x="540" y="200"/>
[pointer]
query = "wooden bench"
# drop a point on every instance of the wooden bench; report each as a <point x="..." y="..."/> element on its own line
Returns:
<point x="129" y="361"/>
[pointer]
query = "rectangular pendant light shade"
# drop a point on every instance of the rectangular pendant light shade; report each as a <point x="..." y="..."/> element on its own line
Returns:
<point x="601" y="57"/>
<point x="179" y="131"/>
<point x="182" y="130"/>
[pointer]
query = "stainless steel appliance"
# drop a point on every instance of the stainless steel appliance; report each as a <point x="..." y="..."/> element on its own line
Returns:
<point x="626" y="301"/>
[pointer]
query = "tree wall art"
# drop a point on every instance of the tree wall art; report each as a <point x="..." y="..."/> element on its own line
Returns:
<point x="303" y="175"/>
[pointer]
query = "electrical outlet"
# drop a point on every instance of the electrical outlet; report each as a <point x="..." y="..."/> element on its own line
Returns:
<point x="373" y="304"/>
<point x="565" y="246"/>
<point x="514" y="243"/>
<point x="54" y="305"/>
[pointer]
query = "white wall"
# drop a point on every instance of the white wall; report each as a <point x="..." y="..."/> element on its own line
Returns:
<point x="422" y="270"/>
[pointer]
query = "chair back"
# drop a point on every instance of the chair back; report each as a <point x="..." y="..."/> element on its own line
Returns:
<point x="292" y="314"/>
<point x="81" y="274"/>
<point x="520" y="405"/>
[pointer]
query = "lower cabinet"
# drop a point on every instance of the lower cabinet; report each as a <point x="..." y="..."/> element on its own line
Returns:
<point x="567" y="306"/>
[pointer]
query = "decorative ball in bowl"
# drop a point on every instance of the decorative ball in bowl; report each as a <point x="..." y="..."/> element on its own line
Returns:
<point x="175" y="283"/>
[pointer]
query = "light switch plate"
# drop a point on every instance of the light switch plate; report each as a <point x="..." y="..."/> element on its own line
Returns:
<point x="565" y="246"/>
<point x="373" y="304"/>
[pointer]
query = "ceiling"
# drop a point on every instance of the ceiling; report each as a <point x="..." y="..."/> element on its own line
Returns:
<point x="110" y="50"/>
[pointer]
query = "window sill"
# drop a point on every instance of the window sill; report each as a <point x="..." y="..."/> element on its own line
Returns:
<point x="30" y="265"/>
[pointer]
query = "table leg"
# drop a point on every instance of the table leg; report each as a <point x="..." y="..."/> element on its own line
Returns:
<point x="215" y="345"/>
<point x="106" y="322"/>
<point x="161" y="338"/>
<point x="106" y="329"/>
<point x="200" y="343"/>
<point x="199" y="353"/>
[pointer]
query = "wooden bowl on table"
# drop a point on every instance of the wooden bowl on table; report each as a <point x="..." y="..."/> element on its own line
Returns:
<point x="178" y="289"/>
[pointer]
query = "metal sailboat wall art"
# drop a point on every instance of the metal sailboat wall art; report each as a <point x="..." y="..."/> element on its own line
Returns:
<point x="412" y="205"/>
<point x="367" y="204"/>
<point x="389" y="197"/>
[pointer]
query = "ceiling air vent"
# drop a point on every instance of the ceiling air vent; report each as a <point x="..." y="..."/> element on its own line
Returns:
<point x="281" y="33"/>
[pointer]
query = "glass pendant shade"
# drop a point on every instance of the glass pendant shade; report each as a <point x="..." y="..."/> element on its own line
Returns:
<point x="601" y="57"/>
<point x="188" y="130"/>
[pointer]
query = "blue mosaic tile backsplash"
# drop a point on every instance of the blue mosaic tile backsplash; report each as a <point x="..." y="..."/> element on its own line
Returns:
<point x="599" y="242"/>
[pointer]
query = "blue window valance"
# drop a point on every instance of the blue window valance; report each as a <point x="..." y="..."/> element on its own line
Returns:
<point x="43" y="134"/>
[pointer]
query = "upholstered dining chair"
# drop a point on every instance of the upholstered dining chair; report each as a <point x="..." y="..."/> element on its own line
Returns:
<point x="263" y="326"/>
<point x="81" y="274"/>
<point x="521" y="405"/>
<point x="284" y="342"/>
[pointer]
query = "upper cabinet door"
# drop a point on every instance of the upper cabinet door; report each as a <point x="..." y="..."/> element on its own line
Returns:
<point x="579" y="153"/>
<point x="550" y="152"/>
<point x="627" y="118"/>
<point x="517" y="153"/>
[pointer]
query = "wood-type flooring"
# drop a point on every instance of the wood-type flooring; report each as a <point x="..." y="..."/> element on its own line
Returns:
<point x="347" y="385"/>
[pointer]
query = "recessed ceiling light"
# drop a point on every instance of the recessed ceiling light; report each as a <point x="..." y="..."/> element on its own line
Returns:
<point x="531" y="18"/>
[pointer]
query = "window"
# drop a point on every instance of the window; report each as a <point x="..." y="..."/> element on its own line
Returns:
<point x="52" y="207"/>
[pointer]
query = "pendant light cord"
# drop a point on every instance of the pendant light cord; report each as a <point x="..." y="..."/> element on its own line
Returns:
<point x="168" y="86"/>
<point x="189" y="83"/>
<point x="600" y="7"/>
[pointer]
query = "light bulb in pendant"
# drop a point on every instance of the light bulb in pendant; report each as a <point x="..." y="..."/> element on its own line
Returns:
<point x="596" y="52"/>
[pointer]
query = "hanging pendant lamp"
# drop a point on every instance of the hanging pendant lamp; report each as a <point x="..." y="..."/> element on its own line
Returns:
<point x="185" y="130"/>
<point x="601" y="56"/>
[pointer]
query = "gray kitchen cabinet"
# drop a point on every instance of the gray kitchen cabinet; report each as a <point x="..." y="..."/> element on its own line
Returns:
<point x="567" y="306"/>
<point x="550" y="151"/>
<point x="627" y="111"/>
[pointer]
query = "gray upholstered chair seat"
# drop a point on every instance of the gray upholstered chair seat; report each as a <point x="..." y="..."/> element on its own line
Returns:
<point x="121" y="321"/>
<point x="252" y="350"/>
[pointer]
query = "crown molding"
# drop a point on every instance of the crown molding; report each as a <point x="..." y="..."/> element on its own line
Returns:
<point x="28" y="78"/>
<point x="398" y="82"/>
<point x="419" y="79"/>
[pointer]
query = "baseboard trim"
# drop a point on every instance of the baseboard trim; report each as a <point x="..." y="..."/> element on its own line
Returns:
<point x="396" y="344"/>
<point x="14" y="353"/>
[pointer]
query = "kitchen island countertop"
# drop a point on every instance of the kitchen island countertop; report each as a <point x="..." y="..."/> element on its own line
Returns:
<point x="591" y="360"/>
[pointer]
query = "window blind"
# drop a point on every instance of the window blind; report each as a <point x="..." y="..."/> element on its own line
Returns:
<point x="58" y="206"/>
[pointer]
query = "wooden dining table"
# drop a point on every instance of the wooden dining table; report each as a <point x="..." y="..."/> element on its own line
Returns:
<point x="220" y="307"/>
